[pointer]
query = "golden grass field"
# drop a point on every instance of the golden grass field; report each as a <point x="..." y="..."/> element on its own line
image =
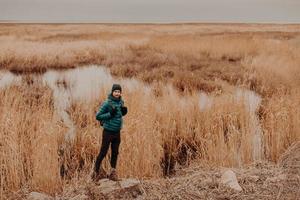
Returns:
<point x="165" y="128"/>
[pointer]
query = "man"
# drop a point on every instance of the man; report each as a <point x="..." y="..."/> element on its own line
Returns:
<point x="110" y="116"/>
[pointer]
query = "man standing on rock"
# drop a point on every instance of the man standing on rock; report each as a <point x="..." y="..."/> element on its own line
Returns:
<point x="110" y="116"/>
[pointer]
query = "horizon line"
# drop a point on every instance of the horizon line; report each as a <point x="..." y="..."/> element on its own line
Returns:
<point x="139" y="23"/>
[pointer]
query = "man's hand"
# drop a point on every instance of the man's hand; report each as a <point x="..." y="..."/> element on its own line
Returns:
<point x="124" y="110"/>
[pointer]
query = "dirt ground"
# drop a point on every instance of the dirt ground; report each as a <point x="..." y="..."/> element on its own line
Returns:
<point x="258" y="181"/>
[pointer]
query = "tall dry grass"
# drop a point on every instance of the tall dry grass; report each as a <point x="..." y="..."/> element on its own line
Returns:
<point x="165" y="128"/>
<point x="30" y="135"/>
<point x="280" y="120"/>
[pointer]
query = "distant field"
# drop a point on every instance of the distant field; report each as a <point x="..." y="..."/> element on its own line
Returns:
<point x="209" y="94"/>
<point x="191" y="56"/>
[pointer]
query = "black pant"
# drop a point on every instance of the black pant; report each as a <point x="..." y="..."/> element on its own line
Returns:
<point x="108" y="138"/>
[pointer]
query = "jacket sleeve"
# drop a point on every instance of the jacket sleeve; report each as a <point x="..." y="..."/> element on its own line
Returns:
<point x="103" y="112"/>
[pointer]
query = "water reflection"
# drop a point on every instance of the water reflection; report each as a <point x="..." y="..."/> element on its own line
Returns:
<point x="8" y="78"/>
<point x="84" y="84"/>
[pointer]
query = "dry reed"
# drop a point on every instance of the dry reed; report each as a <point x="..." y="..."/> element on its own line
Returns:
<point x="165" y="127"/>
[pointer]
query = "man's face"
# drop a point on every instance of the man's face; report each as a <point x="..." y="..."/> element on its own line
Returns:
<point x="116" y="93"/>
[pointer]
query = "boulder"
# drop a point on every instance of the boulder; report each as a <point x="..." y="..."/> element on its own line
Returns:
<point x="229" y="179"/>
<point x="38" y="196"/>
<point x="119" y="189"/>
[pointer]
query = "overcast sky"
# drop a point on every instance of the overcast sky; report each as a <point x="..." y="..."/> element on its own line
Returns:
<point x="274" y="11"/>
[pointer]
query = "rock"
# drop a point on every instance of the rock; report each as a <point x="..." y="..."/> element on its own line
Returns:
<point x="119" y="189"/>
<point x="107" y="186"/>
<point x="229" y="178"/>
<point x="38" y="196"/>
<point x="129" y="183"/>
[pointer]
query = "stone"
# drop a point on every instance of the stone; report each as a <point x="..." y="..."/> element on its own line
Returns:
<point x="117" y="189"/>
<point x="229" y="179"/>
<point x="38" y="196"/>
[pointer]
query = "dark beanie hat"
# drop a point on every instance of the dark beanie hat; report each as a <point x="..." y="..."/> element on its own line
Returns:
<point x="116" y="87"/>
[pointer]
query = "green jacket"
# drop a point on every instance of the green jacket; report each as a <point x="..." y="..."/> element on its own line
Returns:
<point x="110" y="123"/>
